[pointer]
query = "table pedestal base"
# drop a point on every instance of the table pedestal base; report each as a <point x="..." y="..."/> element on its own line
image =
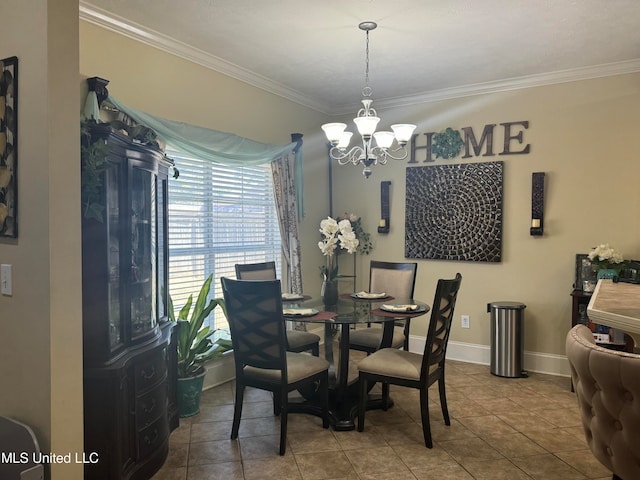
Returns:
<point x="342" y="414"/>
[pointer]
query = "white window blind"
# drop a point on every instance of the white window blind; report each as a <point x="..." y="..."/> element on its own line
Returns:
<point x="218" y="216"/>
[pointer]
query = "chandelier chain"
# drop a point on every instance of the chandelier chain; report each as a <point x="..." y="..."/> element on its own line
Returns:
<point x="366" y="68"/>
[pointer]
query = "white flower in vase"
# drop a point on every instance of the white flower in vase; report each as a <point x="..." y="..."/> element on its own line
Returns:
<point x="336" y="234"/>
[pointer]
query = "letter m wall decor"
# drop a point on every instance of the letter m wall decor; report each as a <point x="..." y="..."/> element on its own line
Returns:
<point x="454" y="212"/>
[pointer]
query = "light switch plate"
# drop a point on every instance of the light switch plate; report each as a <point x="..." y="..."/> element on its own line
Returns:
<point x="465" y="321"/>
<point x="6" y="282"/>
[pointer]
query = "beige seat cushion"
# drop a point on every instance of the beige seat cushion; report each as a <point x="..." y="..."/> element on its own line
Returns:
<point x="371" y="337"/>
<point x="393" y="363"/>
<point x="299" y="366"/>
<point x="297" y="338"/>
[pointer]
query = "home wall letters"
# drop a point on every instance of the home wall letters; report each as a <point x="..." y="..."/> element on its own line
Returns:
<point x="512" y="135"/>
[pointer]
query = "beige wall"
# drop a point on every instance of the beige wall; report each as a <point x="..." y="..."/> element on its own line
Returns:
<point x="582" y="134"/>
<point x="165" y="85"/>
<point x="40" y="325"/>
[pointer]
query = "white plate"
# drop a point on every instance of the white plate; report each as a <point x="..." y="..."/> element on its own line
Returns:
<point x="292" y="296"/>
<point x="299" y="312"/>
<point x="402" y="308"/>
<point x="369" y="296"/>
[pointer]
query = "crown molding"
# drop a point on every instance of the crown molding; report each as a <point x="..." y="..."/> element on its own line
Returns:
<point x="517" y="83"/>
<point x="123" y="26"/>
<point x="109" y="21"/>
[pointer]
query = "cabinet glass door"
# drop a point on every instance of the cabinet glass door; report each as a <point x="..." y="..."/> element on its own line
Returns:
<point x="143" y="252"/>
<point x="113" y="256"/>
<point x="163" y="273"/>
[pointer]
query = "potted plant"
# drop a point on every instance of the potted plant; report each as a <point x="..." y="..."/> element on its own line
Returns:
<point x="195" y="346"/>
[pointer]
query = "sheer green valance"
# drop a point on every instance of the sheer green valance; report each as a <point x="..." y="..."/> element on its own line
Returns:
<point x="218" y="147"/>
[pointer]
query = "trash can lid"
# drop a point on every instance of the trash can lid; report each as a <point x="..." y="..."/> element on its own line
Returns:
<point x="508" y="305"/>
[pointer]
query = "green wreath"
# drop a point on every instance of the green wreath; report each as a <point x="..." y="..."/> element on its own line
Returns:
<point x="447" y="144"/>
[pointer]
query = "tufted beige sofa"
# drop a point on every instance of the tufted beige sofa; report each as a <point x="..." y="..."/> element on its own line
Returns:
<point x="607" y="384"/>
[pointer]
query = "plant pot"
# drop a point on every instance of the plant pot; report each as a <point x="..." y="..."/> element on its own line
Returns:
<point x="189" y="391"/>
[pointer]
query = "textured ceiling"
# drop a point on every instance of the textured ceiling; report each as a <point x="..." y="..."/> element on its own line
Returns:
<point x="312" y="51"/>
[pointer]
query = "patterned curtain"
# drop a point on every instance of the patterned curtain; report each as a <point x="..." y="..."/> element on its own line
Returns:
<point x="283" y="170"/>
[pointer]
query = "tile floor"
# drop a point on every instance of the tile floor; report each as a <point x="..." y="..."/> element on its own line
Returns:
<point x="501" y="429"/>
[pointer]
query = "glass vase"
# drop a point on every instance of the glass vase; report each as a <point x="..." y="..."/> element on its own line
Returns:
<point x="329" y="292"/>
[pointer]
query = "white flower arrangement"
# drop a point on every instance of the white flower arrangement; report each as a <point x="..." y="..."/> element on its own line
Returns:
<point x="337" y="233"/>
<point x="603" y="256"/>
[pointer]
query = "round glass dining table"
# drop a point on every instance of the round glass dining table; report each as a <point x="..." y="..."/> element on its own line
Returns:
<point x="338" y="320"/>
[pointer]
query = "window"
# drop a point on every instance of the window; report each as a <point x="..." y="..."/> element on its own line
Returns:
<point x="218" y="216"/>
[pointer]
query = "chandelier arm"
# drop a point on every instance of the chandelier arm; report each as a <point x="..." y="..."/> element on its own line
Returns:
<point x="343" y="157"/>
<point x="389" y="153"/>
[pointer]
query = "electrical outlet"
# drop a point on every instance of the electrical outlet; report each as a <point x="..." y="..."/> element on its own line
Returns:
<point x="465" y="321"/>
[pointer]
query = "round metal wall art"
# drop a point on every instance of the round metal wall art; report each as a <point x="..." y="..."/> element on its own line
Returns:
<point x="447" y="144"/>
<point x="454" y="212"/>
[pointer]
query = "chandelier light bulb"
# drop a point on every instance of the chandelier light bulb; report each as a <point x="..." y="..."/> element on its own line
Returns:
<point x="366" y="125"/>
<point x="334" y="131"/>
<point x="384" y="139"/>
<point x="403" y="132"/>
<point x="345" y="138"/>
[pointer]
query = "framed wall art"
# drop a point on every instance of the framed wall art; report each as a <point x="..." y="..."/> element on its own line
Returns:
<point x="9" y="147"/>
<point x="454" y="212"/>
<point x="585" y="276"/>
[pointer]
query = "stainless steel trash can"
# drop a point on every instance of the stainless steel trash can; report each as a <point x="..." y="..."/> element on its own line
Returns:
<point x="507" y="339"/>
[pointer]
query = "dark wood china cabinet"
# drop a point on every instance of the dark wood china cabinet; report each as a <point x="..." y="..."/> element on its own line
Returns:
<point x="130" y="398"/>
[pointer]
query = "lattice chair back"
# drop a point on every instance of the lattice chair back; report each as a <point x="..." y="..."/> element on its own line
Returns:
<point x="254" y="312"/>
<point x="256" y="271"/>
<point x="444" y="303"/>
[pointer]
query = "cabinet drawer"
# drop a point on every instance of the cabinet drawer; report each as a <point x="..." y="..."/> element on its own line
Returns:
<point x="151" y="405"/>
<point x="152" y="436"/>
<point x="150" y="372"/>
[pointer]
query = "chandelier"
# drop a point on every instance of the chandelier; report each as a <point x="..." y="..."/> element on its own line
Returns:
<point x="366" y="121"/>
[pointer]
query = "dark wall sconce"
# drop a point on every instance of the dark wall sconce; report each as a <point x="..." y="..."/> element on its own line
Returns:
<point x="537" y="204"/>
<point x="383" y="226"/>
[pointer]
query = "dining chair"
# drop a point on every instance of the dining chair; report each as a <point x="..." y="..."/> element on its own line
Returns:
<point x="297" y="340"/>
<point x="254" y="312"/>
<point x="397" y="280"/>
<point x="409" y="369"/>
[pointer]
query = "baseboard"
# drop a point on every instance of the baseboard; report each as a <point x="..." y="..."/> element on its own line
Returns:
<point x="223" y="370"/>
<point x="219" y="371"/>
<point x="547" y="363"/>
